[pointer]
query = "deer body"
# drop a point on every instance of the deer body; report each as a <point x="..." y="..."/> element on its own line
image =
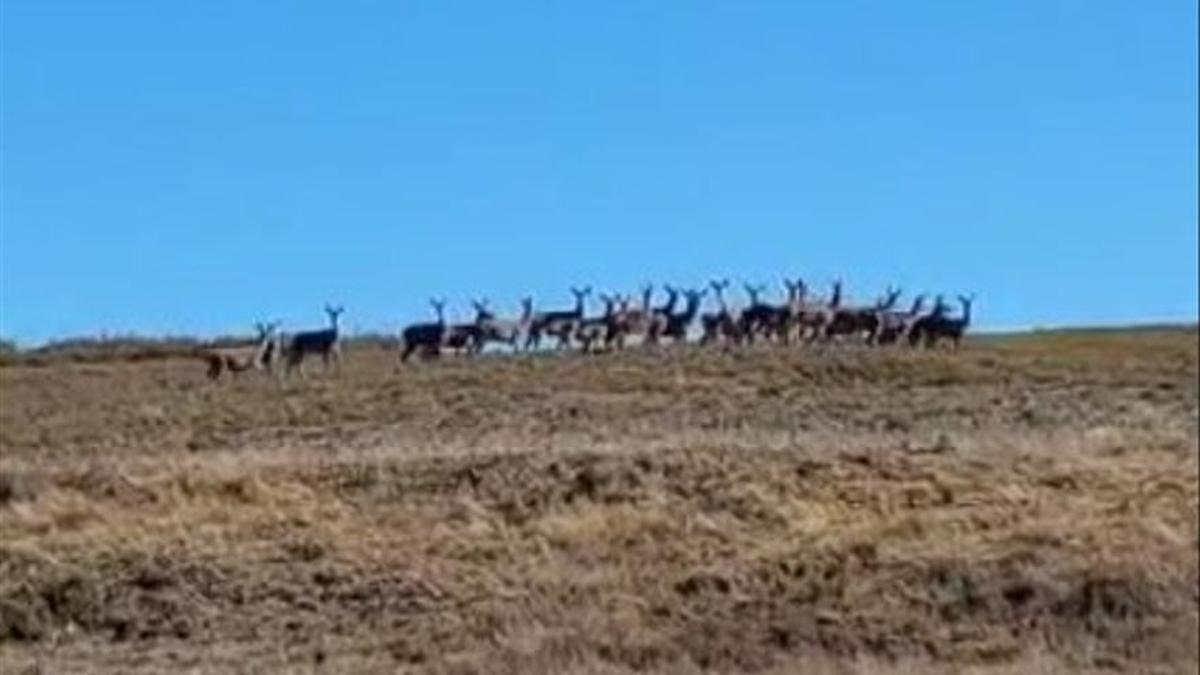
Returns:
<point x="676" y="325"/>
<point x="505" y="331"/>
<point x="593" y="331"/>
<point x="758" y="317"/>
<point x="860" y="320"/>
<point x="428" y="337"/>
<point x="640" y="320"/>
<point x="722" y="324"/>
<point x="937" y="326"/>
<point x="324" y="342"/>
<point x="895" y="326"/>
<point x="235" y="360"/>
<point x="560" y="324"/>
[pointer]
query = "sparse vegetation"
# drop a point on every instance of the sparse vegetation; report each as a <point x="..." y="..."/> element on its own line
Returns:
<point x="1026" y="505"/>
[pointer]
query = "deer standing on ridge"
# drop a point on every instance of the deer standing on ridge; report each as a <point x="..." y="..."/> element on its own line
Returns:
<point x="504" y="331"/>
<point x="234" y="360"/>
<point x="721" y="324"/>
<point x="937" y="326"/>
<point x="591" y="332"/>
<point x="428" y="337"/>
<point x="677" y="324"/>
<point x="324" y="342"/>
<point x="560" y="324"/>
<point x="894" y="326"/>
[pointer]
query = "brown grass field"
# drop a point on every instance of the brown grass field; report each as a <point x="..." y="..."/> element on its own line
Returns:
<point x="1026" y="505"/>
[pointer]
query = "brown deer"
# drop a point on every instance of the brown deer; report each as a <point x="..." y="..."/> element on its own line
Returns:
<point x="592" y="332"/>
<point x="504" y="331"/>
<point x="894" y="326"/>
<point x="641" y="320"/>
<point x="864" y="321"/>
<point x="261" y="355"/>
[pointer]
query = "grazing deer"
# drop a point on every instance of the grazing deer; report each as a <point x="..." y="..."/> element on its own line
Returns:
<point x="428" y="337"/>
<point x="937" y="326"/>
<point x="504" y="331"/>
<point x="560" y="324"/>
<point x="895" y="326"/>
<point x="676" y="325"/>
<point x="325" y="342"/>
<point x="259" y="356"/>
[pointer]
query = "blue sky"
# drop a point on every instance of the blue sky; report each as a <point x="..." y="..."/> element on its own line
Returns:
<point x="193" y="167"/>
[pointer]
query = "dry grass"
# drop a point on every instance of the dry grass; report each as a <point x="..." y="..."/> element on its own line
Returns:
<point x="1029" y="505"/>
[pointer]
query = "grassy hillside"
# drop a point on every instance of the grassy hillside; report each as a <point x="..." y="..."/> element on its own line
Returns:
<point x="1026" y="505"/>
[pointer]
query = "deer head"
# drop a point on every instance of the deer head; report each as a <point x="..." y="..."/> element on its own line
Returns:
<point x="754" y="291"/>
<point x="889" y="299"/>
<point x="718" y="287"/>
<point x="334" y="313"/>
<point x="580" y="296"/>
<point x="694" y="298"/>
<point x="918" y="303"/>
<point x="672" y="299"/>
<point x="439" y="308"/>
<point x="482" y="313"/>
<point x="835" y="300"/>
<point x="801" y="289"/>
<point x="966" y="301"/>
<point x="791" y="289"/>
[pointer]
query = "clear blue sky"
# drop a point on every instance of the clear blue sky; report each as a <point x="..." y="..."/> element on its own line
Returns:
<point x="172" y="167"/>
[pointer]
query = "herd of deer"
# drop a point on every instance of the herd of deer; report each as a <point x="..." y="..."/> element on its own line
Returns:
<point x="801" y="318"/>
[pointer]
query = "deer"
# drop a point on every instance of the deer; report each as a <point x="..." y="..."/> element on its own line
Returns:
<point x="805" y="318"/>
<point x="676" y="324"/>
<point x="895" y="326"/>
<point x="505" y="331"/>
<point x="560" y="324"/>
<point x="660" y="317"/>
<point x="258" y="356"/>
<point x="325" y="342"/>
<point x="722" y="324"/>
<point x="759" y="317"/>
<point x="465" y="338"/>
<point x="428" y="337"/>
<point x="938" y="326"/>
<point x="640" y="320"/>
<point x="793" y="316"/>
<point x="590" y="332"/>
<point x="916" y="332"/>
<point x="860" y="320"/>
